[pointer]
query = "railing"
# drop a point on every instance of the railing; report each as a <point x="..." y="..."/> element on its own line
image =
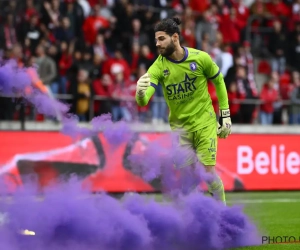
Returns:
<point x="256" y="102"/>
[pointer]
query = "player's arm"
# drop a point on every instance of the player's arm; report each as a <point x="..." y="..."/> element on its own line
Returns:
<point x="219" y="83"/>
<point x="146" y="86"/>
<point x="213" y="73"/>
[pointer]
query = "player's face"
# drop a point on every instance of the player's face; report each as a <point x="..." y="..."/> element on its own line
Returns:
<point x="164" y="43"/>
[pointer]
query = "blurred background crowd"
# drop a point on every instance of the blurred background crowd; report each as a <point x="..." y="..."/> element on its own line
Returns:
<point x="91" y="52"/>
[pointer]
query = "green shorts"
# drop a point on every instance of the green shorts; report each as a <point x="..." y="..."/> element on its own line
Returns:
<point x="200" y="145"/>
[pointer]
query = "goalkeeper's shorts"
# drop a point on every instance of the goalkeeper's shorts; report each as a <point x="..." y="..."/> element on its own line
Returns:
<point x="200" y="145"/>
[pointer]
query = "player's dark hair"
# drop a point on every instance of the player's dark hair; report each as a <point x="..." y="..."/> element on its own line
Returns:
<point x="168" y="25"/>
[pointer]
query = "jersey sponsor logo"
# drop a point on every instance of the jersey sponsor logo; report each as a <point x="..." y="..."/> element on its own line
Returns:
<point x="193" y="66"/>
<point x="181" y="90"/>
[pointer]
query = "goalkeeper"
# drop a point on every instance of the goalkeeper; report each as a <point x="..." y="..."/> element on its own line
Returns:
<point x="183" y="74"/>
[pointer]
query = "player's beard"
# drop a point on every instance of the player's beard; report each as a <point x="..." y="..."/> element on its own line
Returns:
<point x="169" y="50"/>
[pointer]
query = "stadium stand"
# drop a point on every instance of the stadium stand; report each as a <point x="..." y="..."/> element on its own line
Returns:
<point x="90" y="53"/>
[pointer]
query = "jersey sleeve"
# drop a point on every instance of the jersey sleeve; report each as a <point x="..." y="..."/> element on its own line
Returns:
<point x="212" y="72"/>
<point x="154" y="73"/>
<point x="210" y="68"/>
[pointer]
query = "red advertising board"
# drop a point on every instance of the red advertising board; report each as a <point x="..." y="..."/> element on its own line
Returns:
<point x="262" y="162"/>
<point x="245" y="162"/>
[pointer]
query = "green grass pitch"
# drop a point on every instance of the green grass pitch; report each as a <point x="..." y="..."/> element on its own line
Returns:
<point x="274" y="213"/>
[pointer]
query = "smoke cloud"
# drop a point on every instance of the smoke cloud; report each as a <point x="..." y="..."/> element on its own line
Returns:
<point x="66" y="216"/>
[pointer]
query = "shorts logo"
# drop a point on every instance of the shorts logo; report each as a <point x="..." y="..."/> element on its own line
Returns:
<point x="193" y="66"/>
<point x="212" y="148"/>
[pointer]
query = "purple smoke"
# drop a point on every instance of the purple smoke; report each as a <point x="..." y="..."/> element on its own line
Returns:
<point x="115" y="133"/>
<point x="159" y="160"/>
<point x="15" y="81"/>
<point x="69" y="217"/>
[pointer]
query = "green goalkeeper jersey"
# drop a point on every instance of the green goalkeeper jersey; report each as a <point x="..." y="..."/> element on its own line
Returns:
<point x="185" y="89"/>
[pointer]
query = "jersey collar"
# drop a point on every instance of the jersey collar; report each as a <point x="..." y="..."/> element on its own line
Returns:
<point x="186" y="53"/>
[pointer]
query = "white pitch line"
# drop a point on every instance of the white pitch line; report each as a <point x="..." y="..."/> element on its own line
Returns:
<point x="266" y="201"/>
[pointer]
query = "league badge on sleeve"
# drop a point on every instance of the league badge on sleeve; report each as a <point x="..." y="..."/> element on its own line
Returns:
<point x="193" y="66"/>
<point x="166" y="72"/>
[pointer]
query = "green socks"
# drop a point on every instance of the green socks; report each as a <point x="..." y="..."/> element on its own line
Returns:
<point x="216" y="189"/>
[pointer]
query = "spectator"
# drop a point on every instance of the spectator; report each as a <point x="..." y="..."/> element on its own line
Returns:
<point x="115" y="64"/>
<point x="159" y="107"/>
<point x="278" y="107"/>
<point x="104" y="10"/>
<point x="124" y="89"/>
<point x="295" y="32"/>
<point x="99" y="48"/>
<point x="213" y="95"/>
<point x="230" y="27"/>
<point x="92" y="25"/>
<point x="294" y="56"/>
<point x="242" y="12"/>
<point x="215" y="49"/>
<point x="199" y="6"/>
<point x="33" y="32"/>
<point x="134" y="59"/>
<point x="146" y="57"/>
<point x="87" y="60"/>
<point x="148" y="20"/>
<point x="29" y="10"/>
<point x="231" y="73"/>
<point x="8" y="34"/>
<point x="295" y="105"/>
<point x="188" y="33"/>
<point x="86" y="8"/>
<point x="268" y="96"/>
<point x="207" y="24"/>
<point x="97" y="67"/>
<point x="292" y="109"/>
<point x="225" y="59"/>
<point x="64" y="64"/>
<point x="46" y="68"/>
<point x="63" y="31"/>
<point x="246" y="90"/>
<point x="51" y="14"/>
<point x="73" y="10"/>
<point x="277" y="8"/>
<point x="137" y="35"/>
<point x="278" y="47"/>
<point x="103" y="87"/>
<point x="82" y="93"/>
<point x="143" y="111"/>
<point x="235" y="99"/>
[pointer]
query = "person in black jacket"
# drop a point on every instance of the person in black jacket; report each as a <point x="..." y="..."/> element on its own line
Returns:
<point x="278" y="47"/>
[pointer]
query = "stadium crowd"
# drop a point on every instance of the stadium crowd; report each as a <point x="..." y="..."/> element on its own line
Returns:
<point x="92" y="48"/>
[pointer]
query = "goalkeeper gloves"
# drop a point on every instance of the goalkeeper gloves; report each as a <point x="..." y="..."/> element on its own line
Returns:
<point x="142" y="84"/>
<point x="224" y="125"/>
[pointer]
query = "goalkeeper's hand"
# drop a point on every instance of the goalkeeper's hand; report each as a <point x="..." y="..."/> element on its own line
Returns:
<point x="224" y="125"/>
<point x="142" y="84"/>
